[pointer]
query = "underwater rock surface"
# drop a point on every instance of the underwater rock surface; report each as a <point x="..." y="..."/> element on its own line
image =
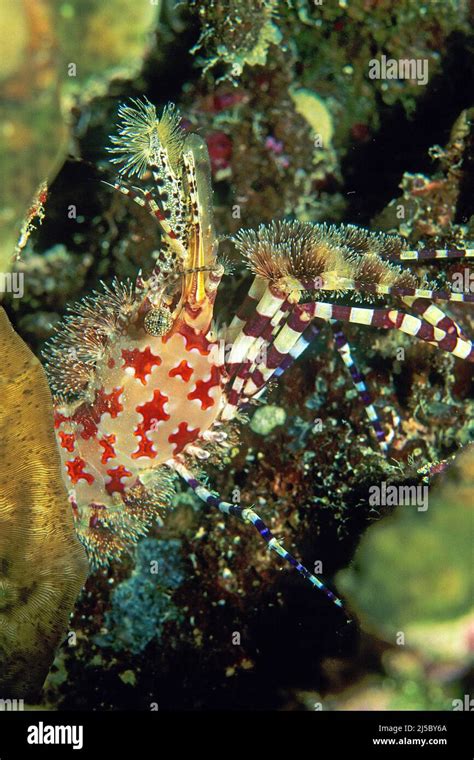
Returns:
<point x="141" y="604"/>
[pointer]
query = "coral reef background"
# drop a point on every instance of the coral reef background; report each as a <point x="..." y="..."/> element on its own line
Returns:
<point x="201" y="617"/>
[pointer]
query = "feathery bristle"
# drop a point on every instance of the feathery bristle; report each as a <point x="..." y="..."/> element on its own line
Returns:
<point x="406" y="279"/>
<point x="371" y="269"/>
<point x="142" y="134"/>
<point x="117" y="529"/>
<point x="293" y="249"/>
<point x="82" y="337"/>
<point x="226" y="262"/>
<point x="365" y="241"/>
<point x="302" y="249"/>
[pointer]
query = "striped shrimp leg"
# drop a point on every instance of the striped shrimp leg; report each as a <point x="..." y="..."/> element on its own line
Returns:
<point x="347" y="284"/>
<point x="292" y="340"/>
<point x="432" y="254"/>
<point x="306" y="338"/>
<point x="358" y="379"/>
<point x="247" y="308"/>
<point x="248" y="515"/>
<point x="393" y="290"/>
<point x="136" y="195"/>
<point x="434" y="315"/>
<point x="419" y="299"/>
<point x="255" y="356"/>
<point x="288" y="344"/>
<point x="258" y="352"/>
<point x="146" y="200"/>
<point x="396" y="320"/>
<point x="301" y="344"/>
<point x="422" y="302"/>
<point x="247" y="344"/>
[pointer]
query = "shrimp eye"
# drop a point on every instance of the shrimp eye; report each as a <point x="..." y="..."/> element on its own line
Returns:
<point x="158" y="321"/>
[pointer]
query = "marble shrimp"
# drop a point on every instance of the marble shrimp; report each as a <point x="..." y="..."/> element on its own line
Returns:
<point x="147" y="388"/>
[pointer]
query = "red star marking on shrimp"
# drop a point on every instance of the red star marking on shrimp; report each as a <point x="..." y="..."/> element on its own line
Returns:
<point x="88" y="415"/>
<point x="84" y="416"/>
<point x="107" y="444"/>
<point x="59" y="419"/>
<point x="194" y="340"/>
<point x="183" y="370"/>
<point x="67" y="441"/>
<point x="153" y="411"/>
<point x="107" y="403"/>
<point x="115" y="484"/>
<point x="145" y="446"/>
<point x="141" y="361"/>
<point x="75" y="470"/>
<point x="183" y="436"/>
<point x="201" y="391"/>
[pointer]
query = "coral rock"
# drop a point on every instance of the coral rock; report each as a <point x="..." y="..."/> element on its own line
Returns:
<point x="42" y="563"/>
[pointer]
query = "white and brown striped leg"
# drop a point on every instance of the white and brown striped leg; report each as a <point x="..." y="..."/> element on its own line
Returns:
<point x="257" y="355"/>
<point x="135" y="194"/>
<point x="336" y="283"/>
<point x="268" y="307"/>
<point x="146" y="200"/>
<point x="431" y="255"/>
<point x="305" y="339"/>
<point x="287" y="340"/>
<point x="419" y="300"/>
<point x="249" y="342"/>
<point x="344" y="349"/>
<point x="256" y="291"/>
<point x="264" y="374"/>
<point x="289" y="345"/>
<point x="406" y="292"/>
<point x="392" y="319"/>
<point x="434" y="315"/>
